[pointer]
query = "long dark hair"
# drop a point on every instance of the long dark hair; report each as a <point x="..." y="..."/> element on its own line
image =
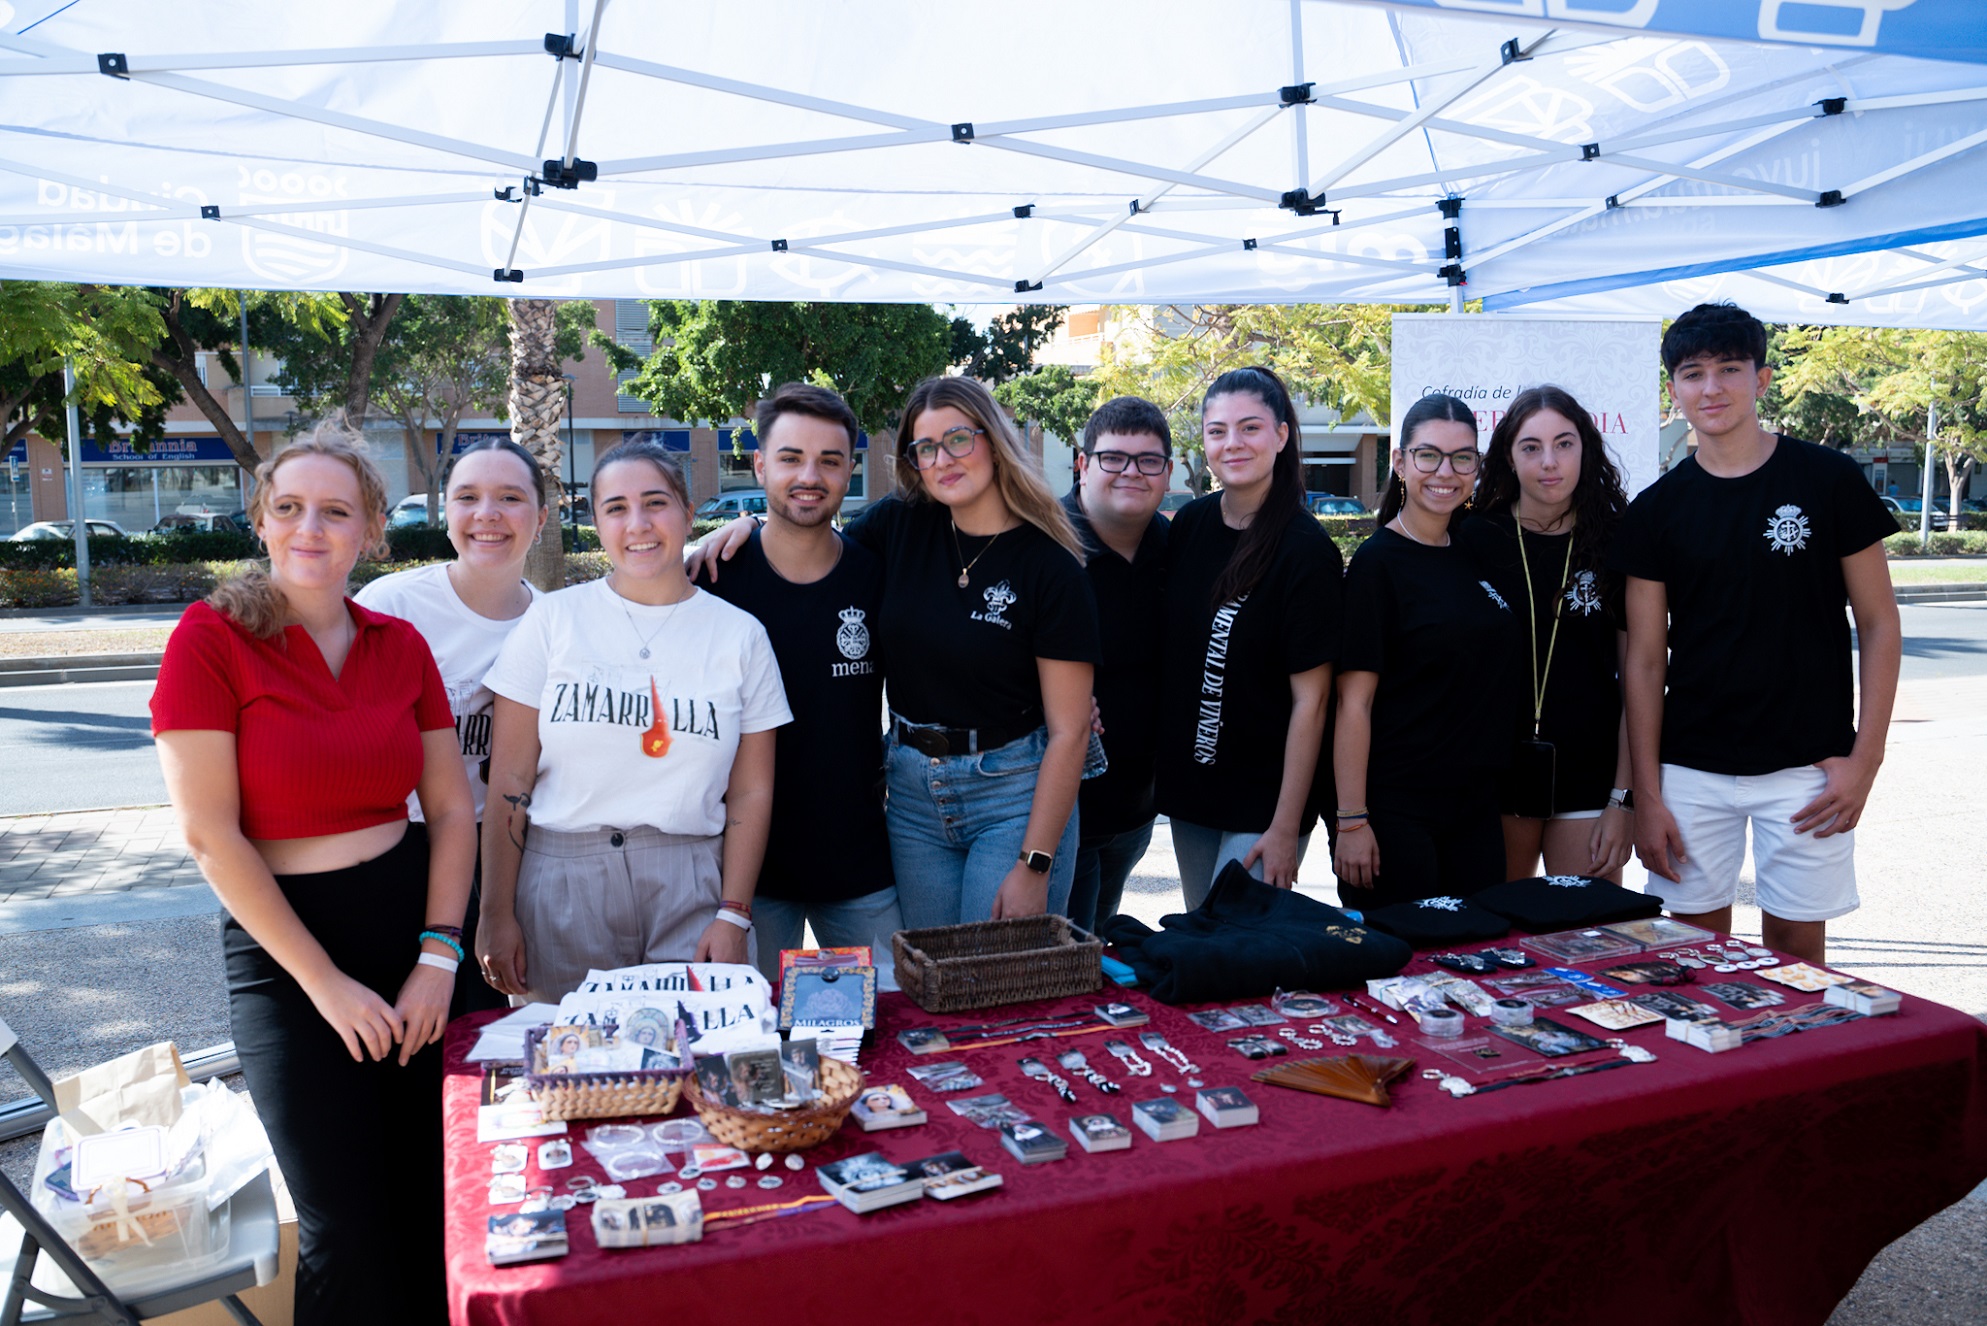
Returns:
<point x="532" y="464"/>
<point x="1250" y="561"/>
<point x="1598" y="497"/>
<point x="1433" y="408"/>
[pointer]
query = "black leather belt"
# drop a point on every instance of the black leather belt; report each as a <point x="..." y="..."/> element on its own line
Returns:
<point x="941" y="742"/>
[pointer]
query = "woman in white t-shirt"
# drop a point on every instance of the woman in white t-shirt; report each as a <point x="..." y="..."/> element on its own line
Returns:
<point x="493" y="498"/>
<point x="631" y="767"/>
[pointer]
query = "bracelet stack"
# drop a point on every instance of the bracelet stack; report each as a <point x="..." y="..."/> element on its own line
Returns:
<point x="450" y="935"/>
<point x="738" y="913"/>
<point x="1349" y="820"/>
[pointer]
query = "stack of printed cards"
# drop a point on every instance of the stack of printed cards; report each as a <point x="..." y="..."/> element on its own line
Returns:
<point x="869" y="1182"/>
<point x="649" y="1222"/>
<point x="1741" y="995"/>
<point x="1707" y="1034"/>
<point x="525" y="1237"/>
<point x="1099" y="1132"/>
<point x="1163" y="1120"/>
<point x="1226" y="1107"/>
<point x="949" y="1174"/>
<point x="989" y="1111"/>
<point x="1031" y="1143"/>
<point x="1800" y="976"/>
<point x="886" y="1107"/>
<point x="1216" y="1019"/>
<point x="1122" y="1015"/>
<point x="1862" y="997"/>
<point x="948" y="1076"/>
<point x="1616" y="1014"/>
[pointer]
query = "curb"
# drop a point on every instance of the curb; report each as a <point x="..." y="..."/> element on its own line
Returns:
<point x="1947" y="593"/>
<point x="59" y="669"/>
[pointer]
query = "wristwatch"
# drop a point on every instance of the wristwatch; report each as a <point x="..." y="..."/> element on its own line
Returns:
<point x="1623" y="798"/>
<point x="1039" y="862"/>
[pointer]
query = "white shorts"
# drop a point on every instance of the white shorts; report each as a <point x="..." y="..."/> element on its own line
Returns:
<point x="1797" y="876"/>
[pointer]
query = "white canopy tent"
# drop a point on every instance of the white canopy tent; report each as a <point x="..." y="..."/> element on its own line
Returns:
<point x="1118" y="150"/>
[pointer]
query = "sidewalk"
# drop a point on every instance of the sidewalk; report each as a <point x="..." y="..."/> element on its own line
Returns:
<point x="93" y="852"/>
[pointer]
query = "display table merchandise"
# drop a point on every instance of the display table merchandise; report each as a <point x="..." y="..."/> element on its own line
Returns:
<point x="1748" y="1186"/>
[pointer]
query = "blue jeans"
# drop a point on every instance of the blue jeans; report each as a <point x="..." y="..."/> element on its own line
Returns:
<point x="1202" y="852"/>
<point x="1103" y="864"/>
<point x="956" y="826"/>
<point x="870" y="919"/>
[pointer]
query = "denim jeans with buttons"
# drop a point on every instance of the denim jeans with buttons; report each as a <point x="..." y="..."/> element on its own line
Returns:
<point x="956" y="829"/>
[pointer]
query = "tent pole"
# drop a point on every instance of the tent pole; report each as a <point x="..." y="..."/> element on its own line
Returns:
<point x="1925" y="504"/>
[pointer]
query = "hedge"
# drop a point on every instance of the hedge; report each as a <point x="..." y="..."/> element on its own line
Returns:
<point x="55" y="587"/>
<point x="1944" y="543"/>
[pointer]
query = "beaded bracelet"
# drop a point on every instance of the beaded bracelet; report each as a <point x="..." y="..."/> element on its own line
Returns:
<point x="454" y="931"/>
<point x="454" y="944"/>
<point x="742" y="908"/>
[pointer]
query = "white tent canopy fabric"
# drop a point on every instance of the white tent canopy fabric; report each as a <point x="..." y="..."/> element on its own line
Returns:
<point x="1520" y="151"/>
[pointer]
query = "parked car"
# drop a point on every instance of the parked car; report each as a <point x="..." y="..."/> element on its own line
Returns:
<point x="410" y="512"/>
<point x="1330" y="504"/>
<point x="1908" y="509"/>
<point x="66" y="529"/>
<point x="1172" y="502"/>
<point x="746" y="502"/>
<point x="199" y="518"/>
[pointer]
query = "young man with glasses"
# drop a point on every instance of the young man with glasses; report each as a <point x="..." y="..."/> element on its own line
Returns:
<point x="1122" y="475"/>
<point x="1741" y="708"/>
<point x="817" y="594"/>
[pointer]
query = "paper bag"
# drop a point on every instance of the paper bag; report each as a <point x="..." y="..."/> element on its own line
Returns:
<point x="141" y="1087"/>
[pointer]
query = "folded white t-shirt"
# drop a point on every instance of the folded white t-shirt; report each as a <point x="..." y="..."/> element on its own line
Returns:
<point x="464" y="643"/>
<point x="625" y="741"/>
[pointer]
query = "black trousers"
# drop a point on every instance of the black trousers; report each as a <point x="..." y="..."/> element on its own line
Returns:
<point x="360" y="1143"/>
<point x="473" y="994"/>
<point x="1433" y="845"/>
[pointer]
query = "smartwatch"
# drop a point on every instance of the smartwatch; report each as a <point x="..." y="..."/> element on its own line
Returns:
<point x="1039" y="862"/>
<point x="1623" y="798"/>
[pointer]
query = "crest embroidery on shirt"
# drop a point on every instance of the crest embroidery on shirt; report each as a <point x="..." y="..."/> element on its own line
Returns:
<point x="1787" y="532"/>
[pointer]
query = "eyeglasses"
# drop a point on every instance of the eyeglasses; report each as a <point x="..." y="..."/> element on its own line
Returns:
<point x="957" y="443"/>
<point x="1429" y="459"/>
<point x="1117" y="462"/>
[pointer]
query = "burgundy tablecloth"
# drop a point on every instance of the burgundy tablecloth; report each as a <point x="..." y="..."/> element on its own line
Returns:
<point x="1752" y="1186"/>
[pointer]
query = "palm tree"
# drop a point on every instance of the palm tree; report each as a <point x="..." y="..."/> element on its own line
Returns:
<point x="538" y="404"/>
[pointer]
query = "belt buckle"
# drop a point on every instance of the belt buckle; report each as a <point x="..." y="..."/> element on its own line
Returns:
<point x="924" y="741"/>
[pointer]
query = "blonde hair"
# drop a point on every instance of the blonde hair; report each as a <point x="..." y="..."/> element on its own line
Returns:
<point x="1021" y="485"/>
<point x="252" y="598"/>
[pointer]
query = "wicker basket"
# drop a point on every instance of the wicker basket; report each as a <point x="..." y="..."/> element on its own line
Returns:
<point x="783" y="1130"/>
<point x="954" y="967"/>
<point x="600" y="1095"/>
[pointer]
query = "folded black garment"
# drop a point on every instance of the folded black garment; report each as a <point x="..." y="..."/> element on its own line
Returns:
<point x="1427" y="922"/>
<point x="1559" y="902"/>
<point x="1249" y="939"/>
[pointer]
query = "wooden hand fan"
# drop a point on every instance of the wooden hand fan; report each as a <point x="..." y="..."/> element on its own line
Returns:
<point x="1357" y="1077"/>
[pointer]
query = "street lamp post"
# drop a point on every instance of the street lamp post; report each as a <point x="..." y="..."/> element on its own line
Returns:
<point x="1925" y="503"/>
<point x="572" y="474"/>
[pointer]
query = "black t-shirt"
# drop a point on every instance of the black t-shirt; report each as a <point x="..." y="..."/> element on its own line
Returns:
<point x="1441" y="637"/>
<point x="1225" y="689"/>
<point x="1582" y="715"/>
<point x="828" y="842"/>
<point x="1759" y="677"/>
<point x="966" y="657"/>
<point x="1131" y="623"/>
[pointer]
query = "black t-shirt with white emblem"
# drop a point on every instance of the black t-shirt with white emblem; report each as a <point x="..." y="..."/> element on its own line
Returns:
<point x="1225" y="688"/>
<point x="965" y="658"/>
<point x="1759" y="675"/>
<point x="1131" y="625"/>
<point x="1441" y="637"/>
<point x="828" y="842"/>
<point x="1580" y="669"/>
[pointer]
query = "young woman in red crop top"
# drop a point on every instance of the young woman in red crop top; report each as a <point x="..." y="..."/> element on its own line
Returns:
<point x="291" y="725"/>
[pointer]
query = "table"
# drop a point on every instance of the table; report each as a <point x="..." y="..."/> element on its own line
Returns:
<point x="1746" y="1187"/>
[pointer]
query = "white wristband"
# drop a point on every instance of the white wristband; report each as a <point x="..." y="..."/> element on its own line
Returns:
<point x="448" y="965"/>
<point x="742" y="922"/>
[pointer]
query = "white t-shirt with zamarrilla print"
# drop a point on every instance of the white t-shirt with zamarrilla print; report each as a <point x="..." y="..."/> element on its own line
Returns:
<point x="627" y="741"/>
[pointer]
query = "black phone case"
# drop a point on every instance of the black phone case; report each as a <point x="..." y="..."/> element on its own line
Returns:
<point x="1533" y="767"/>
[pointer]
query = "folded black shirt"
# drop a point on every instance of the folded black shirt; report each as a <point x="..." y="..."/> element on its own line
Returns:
<point x="1249" y="939"/>
<point x="1560" y="902"/>
<point x="1427" y="922"/>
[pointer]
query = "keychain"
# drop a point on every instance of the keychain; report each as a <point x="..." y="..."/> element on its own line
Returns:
<point x="1074" y="1061"/>
<point x="1041" y="1072"/>
<point x="1134" y="1062"/>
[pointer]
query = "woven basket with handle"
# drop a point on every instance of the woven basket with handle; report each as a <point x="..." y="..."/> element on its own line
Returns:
<point x="599" y="1095"/>
<point x="953" y="967"/>
<point x="783" y="1130"/>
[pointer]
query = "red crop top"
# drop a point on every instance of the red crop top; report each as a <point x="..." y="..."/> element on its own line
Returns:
<point x="317" y="755"/>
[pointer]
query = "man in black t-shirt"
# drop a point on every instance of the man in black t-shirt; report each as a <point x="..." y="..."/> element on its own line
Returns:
<point x="817" y="594"/>
<point x="1737" y="682"/>
<point x="1122" y="475"/>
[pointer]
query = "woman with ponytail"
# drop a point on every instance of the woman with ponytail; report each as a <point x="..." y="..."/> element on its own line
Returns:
<point x="1253" y="607"/>
<point x="292" y="724"/>
<point x="1424" y="637"/>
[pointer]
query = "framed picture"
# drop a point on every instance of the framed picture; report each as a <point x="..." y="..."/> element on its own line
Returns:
<point x="828" y="997"/>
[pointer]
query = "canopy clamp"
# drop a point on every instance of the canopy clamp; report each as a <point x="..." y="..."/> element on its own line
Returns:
<point x="1023" y="212"/>
<point x="561" y="175"/>
<point x="562" y="45"/>
<point x="1298" y="94"/>
<point x="1023" y="287"/>
<point x="1301" y="202"/>
<point x="1588" y="151"/>
<point x="1614" y="201"/>
<point x="779" y="246"/>
<point x="511" y="274"/>
<point x="1454" y="275"/>
<point x="210" y="212"/>
<point x="1833" y="105"/>
<point x="1512" y="51"/>
<point x="1831" y="198"/>
<point x="1248" y="246"/>
<point x="507" y="194"/>
<point x="962" y="133"/>
<point x="113" y="64"/>
<point x="1838" y="298"/>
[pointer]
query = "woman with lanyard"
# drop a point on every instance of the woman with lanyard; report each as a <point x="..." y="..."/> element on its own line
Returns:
<point x="988" y="635"/>
<point x="1547" y="507"/>
<point x="292" y="724"/>
<point x="493" y="499"/>
<point x="1252" y="618"/>
<point x="631" y="765"/>
<point x="1425" y="636"/>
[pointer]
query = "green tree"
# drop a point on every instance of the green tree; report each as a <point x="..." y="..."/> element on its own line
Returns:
<point x="445" y="357"/>
<point x="1006" y="349"/>
<point x="1335" y="355"/>
<point x="1051" y="396"/>
<point x="107" y="332"/>
<point x="714" y="359"/>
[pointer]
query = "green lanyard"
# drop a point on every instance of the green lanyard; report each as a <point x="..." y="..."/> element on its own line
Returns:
<point x="1532" y="623"/>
